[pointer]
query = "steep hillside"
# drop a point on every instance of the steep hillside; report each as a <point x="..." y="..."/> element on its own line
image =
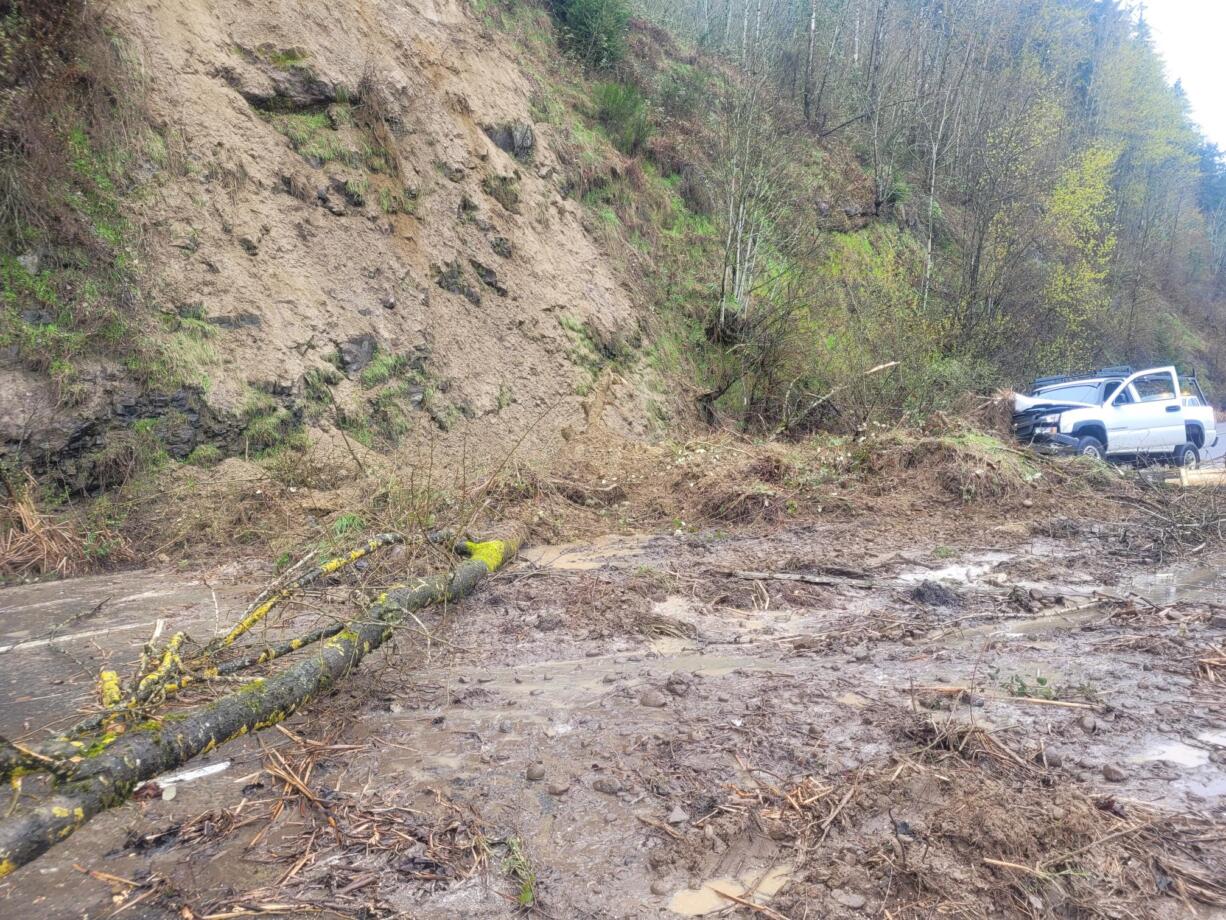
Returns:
<point x="269" y="261"/>
<point x="350" y="221"/>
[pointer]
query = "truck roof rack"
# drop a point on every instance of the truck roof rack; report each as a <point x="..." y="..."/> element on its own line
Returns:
<point x="1118" y="370"/>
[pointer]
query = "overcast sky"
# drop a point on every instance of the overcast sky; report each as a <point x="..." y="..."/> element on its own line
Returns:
<point x="1191" y="36"/>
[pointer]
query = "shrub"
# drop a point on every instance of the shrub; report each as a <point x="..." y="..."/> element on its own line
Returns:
<point x="680" y="90"/>
<point x="623" y="112"/>
<point x="595" y="30"/>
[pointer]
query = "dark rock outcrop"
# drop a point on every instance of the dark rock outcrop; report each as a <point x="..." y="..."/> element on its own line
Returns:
<point x="515" y="137"/>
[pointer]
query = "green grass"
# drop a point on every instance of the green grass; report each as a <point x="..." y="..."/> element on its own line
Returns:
<point x="346" y="524"/>
<point x="519" y="869"/>
<point x="285" y="58"/>
<point x="205" y="455"/>
<point x="329" y="136"/>
<point x="392" y="201"/>
<point x="382" y="368"/>
<point x="268" y="424"/>
<point x="504" y="190"/>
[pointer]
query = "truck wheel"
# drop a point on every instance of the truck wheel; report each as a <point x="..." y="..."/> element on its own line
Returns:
<point x="1187" y="456"/>
<point x="1091" y="447"/>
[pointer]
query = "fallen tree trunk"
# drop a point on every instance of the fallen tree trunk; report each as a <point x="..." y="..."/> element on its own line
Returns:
<point x="105" y="774"/>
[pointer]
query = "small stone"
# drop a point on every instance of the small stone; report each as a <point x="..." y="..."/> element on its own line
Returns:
<point x="678" y="815"/>
<point x="653" y="698"/>
<point x="860" y="653"/>
<point x="1088" y="723"/>
<point x="678" y="684"/>
<point x="1113" y="773"/>
<point x="169" y="792"/>
<point x="660" y="887"/>
<point x="558" y="787"/>
<point x="1027" y="503"/>
<point x="1052" y="758"/>
<point x="505" y="726"/>
<point x="849" y="899"/>
<point x="536" y="772"/>
<point x="609" y="785"/>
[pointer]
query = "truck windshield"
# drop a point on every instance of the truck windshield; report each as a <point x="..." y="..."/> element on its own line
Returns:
<point x="1076" y="393"/>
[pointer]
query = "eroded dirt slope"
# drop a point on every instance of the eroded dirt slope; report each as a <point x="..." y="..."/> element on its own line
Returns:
<point x="354" y="182"/>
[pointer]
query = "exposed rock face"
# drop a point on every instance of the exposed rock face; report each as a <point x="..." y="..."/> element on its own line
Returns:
<point x="69" y="442"/>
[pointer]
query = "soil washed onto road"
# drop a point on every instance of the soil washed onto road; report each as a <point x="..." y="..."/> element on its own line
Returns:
<point x="825" y="722"/>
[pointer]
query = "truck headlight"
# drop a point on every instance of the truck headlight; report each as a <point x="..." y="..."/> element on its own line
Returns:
<point x="1053" y="419"/>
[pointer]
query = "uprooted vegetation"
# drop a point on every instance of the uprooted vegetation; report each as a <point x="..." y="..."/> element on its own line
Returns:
<point x="601" y="486"/>
<point x="958" y="824"/>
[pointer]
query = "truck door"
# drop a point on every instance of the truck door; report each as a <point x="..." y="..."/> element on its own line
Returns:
<point x="1147" y="415"/>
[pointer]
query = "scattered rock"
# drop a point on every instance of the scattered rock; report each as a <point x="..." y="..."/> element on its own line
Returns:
<point x="451" y="278"/>
<point x="516" y="138"/>
<point x="849" y="899"/>
<point x="37" y="317"/>
<point x="558" y="787"/>
<point x="860" y="653"/>
<point x="30" y="261"/>
<point x="653" y="698"/>
<point x="236" y="321"/>
<point x="678" y="684"/>
<point x="535" y="773"/>
<point x="934" y="594"/>
<point x="501" y="246"/>
<point x="250" y="246"/>
<point x="1088" y="724"/>
<point x="1113" y="773"/>
<point x="678" y="815"/>
<point x="1052" y="758"/>
<point x="505" y="726"/>
<point x="488" y="277"/>
<point x="660" y="887"/>
<point x="609" y="785"/>
<point x="357" y="352"/>
<point x="169" y="792"/>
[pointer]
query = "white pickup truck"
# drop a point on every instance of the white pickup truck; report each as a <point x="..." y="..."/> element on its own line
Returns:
<point x="1119" y="413"/>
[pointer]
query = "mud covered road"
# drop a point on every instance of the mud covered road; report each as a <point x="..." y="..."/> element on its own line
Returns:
<point x="821" y="722"/>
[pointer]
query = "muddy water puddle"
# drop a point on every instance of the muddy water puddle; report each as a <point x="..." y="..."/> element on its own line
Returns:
<point x="612" y="550"/>
<point x="1200" y="584"/>
<point x="754" y="885"/>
